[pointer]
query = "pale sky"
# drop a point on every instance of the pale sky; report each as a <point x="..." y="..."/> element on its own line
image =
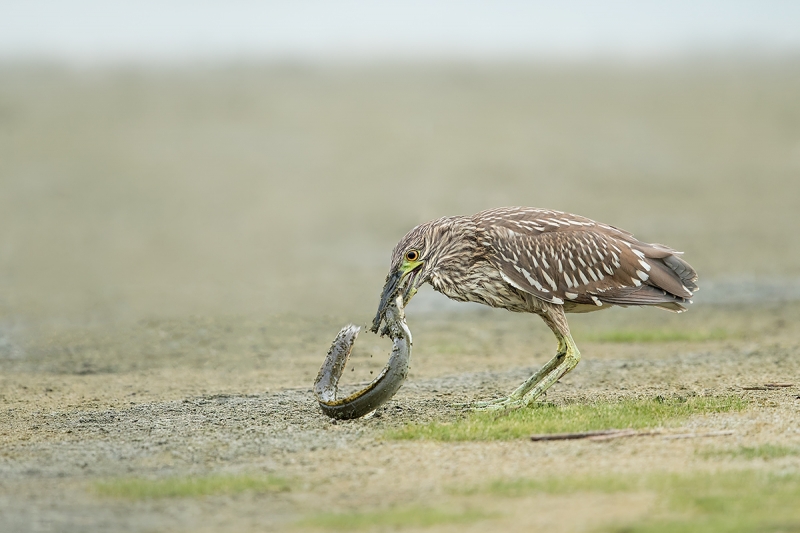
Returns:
<point x="107" y="31"/>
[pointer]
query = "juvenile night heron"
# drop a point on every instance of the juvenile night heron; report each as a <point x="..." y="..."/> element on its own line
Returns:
<point x="540" y="261"/>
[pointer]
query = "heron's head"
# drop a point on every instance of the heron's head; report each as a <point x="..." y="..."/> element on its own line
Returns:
<point x="415" y="258"/>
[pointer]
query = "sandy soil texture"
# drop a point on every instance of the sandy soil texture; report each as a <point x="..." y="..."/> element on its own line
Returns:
<point x="186" y="412"/>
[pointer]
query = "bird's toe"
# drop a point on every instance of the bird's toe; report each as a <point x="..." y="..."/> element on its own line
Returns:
<point x="499" y="404"/>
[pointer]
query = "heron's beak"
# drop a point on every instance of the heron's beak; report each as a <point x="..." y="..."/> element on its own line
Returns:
<point x="394" y="284"/>
<point x="389" y="293"/>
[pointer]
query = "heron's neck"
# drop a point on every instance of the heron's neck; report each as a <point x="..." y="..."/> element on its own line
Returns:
<point x="458" y="251"/>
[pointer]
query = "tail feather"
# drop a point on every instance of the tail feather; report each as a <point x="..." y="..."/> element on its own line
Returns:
<point x="670" y="283"/>
<point x="683" y="270"/>
<point x="647" y="295"/>
<point x="664" y="277"/>
<point x="668" y="271"/>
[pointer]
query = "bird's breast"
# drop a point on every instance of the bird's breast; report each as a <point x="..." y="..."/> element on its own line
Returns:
<point x="480" y="284"/>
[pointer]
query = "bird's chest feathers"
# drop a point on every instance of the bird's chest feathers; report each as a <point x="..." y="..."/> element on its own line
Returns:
<point x="450" y="284"/>
<point x="480" y="283"/>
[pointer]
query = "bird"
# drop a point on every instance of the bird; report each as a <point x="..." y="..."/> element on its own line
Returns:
<point x="540" y="261"/>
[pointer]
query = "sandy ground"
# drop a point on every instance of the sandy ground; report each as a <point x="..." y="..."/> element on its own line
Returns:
<point x="178" y="249"/>
<point x="188" y="412"/>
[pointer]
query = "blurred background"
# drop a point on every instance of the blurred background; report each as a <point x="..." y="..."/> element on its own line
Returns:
<point x="181" y="158"/>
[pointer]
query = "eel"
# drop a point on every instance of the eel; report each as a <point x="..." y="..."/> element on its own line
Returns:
<point x="382" y="388"/>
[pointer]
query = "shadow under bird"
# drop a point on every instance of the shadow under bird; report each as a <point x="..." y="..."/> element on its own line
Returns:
<point x="523" y="259"/>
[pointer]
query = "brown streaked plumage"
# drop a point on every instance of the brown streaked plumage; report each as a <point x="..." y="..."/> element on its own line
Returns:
<point x="538" y="261"/>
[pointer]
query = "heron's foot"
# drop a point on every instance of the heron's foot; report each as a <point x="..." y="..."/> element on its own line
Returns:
<point x="510" y="402"/>
<point x="479" y="406"/>
<point x="502" y="404"/>
<point x="497" y="403"/>
<point x="488" y="404"/>
<point x="521" y="396"/>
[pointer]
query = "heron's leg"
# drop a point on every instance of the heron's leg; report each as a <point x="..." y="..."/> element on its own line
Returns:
<point x="571" y="359"/>
<point x="529" y="383"/>
<point x="565" y="360"/>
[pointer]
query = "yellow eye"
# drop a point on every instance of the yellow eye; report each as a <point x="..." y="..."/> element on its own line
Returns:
<point x="412" y="255"/>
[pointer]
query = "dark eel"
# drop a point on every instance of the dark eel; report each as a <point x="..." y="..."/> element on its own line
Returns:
<point x="382" y="388"/>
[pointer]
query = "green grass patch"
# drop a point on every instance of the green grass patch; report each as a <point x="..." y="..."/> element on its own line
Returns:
<point x="763" y="451"/>
<point x="548" y="418"/>
<point x="658" y="335"/>
<point x="556" y="485"/>
<point x="396" y="518"/>
<point x="728" y="502"/>
<point x="188" y="487"/>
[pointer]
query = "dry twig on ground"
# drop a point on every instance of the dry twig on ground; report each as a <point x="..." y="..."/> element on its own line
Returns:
<point x="609" y="434"/>
<point x="769" y="386"/>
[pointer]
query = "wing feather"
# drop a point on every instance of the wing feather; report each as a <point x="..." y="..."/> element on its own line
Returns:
<point x="559" y="257"/>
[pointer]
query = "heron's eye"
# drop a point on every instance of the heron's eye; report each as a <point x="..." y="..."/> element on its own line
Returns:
<point x="412" y="255"/>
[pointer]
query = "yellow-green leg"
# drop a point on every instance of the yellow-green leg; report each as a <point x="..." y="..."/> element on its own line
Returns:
<point x="566" y="358"/>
